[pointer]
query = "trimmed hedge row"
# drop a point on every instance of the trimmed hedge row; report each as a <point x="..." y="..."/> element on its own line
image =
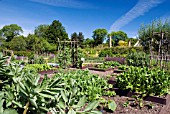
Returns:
<point x="119" y="51"/>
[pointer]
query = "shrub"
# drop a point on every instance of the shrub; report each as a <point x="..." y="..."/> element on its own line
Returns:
<point x="138" y="59"/>
<point x="122" y="43"/>
<point x="119" y="51"/>
<point x="37" y="67"/>
<point x="24" y="53"/>
<point x="107" y="52"/>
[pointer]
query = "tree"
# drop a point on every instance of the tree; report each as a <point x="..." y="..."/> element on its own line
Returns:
<point x="78" y="37"/>
<point x="37" y="45"/>
<point x="41" y="30"/>
<point x="117" y="36"/>
<point x="99" y="35"/>
<point x="10" y="31"/>
<point x="55" y="31"/>
<point x="146" y="33"/>
<point x="88" y="43"/>
<point x="18" y="43"/>
<point x="1" y="37"/>
<point x="74" y="37"/>
<point x="81" y="39"/>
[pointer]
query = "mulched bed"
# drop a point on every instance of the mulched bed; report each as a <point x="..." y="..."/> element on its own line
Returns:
<point x="132" y="108"/>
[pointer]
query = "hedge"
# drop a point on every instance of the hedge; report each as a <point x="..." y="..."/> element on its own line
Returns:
<point x="119" y="51"/>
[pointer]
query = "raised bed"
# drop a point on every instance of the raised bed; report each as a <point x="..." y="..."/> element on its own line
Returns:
<point x="47" y="72"/>
<point x="103" y="70"/>
<point x="162" y="100"/>
<point x="85" y="67"/>
<point x="118" y="71"/>
<point x="121" y="60"/>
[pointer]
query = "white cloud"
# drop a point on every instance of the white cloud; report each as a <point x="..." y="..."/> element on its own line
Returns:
<point x="26" y="32"/>
<point x="1" y="26"/>
<point x="139" y="9"/>
<point x="64" y="3"/>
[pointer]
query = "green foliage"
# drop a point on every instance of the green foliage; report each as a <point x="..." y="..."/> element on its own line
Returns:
<point x="37" y="67"/>
<point x="112" y="63"/>
<point x="40" y="30"/>
<point x="146" y="33"/>
<point x="70" y="92"/>
<point x="117" y="36"/>
<point x="123" y="67"/>
<point x="10" y="31"/>
<point x="138" y="59"/>
<point x="105" y="53"/>
<point x="55" y="31"/>
<point x="37" y="60"/>
<point x="68" y="104"/>
<point x="108" y="64"/>
<point x="112" y="105"/>
<point x="24" y="53"/>
<point x="119" y="51"/>
<point x="64" y="58"/>
<point x="37" y="44"/>
<point x="78" y="37"/>
<point x="132" y="40"/>
<point x="88" y="43"/>
<point x="145" y="81"/>
<point x="90" y="85"/>
<point x="20" y="89"/>
<point x="99" y="35"/>
<point x="126" y="104"/>
<point x="18" y="43"/>
<point x="79" y="61"/>
<point x="102" y="66"/>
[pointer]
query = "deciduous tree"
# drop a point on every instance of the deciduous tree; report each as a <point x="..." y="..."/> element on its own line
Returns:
<point x="18" y="43"/>
<point x="41" y="30"/>
<point x="117" y="36"/>
<point x="10" y="31"/>
<point x="99" y="35"/>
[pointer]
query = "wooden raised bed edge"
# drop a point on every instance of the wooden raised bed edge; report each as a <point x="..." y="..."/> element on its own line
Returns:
<point x="118" y="71"/>
<point x="166" y="107"/>
<point x="85" y="67"/>
<point x="47" y="71"/>
<point x="103" y="70"/>
<point x="155" y="99"/>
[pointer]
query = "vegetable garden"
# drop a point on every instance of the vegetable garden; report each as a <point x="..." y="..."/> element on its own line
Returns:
<point x="129" y="84"/>
<point x="73" y="91"/>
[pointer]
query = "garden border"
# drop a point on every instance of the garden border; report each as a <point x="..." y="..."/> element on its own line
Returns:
<point x="103" y="70"/>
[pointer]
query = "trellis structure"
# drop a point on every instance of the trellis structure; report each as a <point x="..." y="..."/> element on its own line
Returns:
<point x="162" y="57"/>
<point x="74" y="51"/>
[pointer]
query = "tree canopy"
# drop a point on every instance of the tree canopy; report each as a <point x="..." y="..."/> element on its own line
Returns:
<point x="56" y="31"/>
<point x="18" y="43"/>
<point x="78" y="37"/>
<point x="41" y="30"/>
<point x="8" y="32"/>
<point x="99" y="35"/>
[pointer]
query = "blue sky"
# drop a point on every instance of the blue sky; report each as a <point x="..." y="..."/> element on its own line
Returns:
<point x="83" y="15"/>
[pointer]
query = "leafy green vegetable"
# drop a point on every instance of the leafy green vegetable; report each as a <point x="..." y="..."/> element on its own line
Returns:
<point x="145" y="81"/>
